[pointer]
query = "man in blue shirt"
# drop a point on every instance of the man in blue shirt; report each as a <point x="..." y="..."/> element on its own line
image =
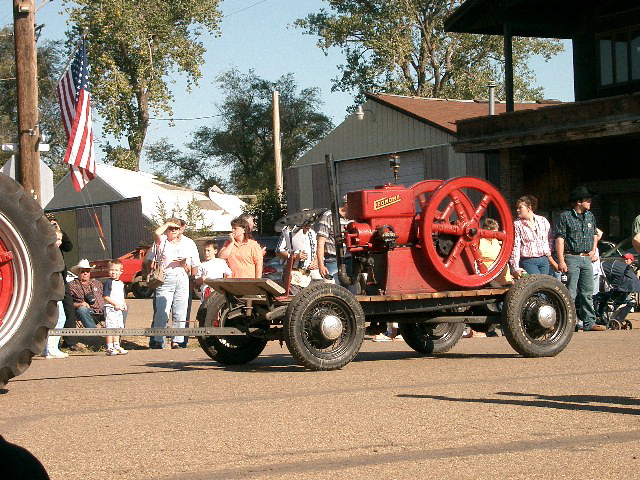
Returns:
<point x="576" y="244"/>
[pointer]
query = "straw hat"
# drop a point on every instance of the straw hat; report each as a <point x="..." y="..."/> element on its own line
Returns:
<point x="82" y="265"/>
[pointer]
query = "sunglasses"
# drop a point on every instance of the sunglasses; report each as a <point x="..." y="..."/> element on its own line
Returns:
<point x="173" y="228"/>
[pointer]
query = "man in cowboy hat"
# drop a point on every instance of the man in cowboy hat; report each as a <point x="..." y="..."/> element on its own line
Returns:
<point x="576" y="243"/>
<point x="86" y="293"/>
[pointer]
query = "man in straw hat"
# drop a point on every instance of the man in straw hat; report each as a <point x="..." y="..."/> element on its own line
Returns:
<point x="86" y="293"/>
<point x="576" y="243"/>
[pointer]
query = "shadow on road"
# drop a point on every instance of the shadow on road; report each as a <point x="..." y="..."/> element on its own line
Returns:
<point x="560" y="402"/>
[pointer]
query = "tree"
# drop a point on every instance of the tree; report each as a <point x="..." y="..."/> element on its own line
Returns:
<point x="49" y="67"/>
<point x="132" y="49"/>
<point x="400" y="47"/>
<point x="243" y="143"/>
<point x="186" y="169"/>
<point x="266" y="210"/>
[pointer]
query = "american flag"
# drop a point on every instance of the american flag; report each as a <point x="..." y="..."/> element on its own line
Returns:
<point x="75" y="107"/>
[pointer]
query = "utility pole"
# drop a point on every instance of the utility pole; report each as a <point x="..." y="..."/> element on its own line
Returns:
<point x="276" y="143"/>
<point x="28" y="171"/>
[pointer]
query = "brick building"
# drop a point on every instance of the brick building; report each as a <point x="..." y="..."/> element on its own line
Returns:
<point x="592" y="142"/>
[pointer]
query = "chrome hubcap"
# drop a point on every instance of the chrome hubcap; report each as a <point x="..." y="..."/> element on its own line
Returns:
<point x="547" y="316"/>
<point x="331" y="327"/>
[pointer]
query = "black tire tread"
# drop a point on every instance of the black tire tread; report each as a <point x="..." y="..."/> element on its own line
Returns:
<point x="415" y="339"/>
<point x="296" y="309"/>
<point x="42" y="314"/>
<point x="212" y="345"/>
<point x="512" y="325"/>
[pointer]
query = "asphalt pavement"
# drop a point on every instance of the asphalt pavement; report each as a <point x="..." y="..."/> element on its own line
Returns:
<point x="480" y="411"/>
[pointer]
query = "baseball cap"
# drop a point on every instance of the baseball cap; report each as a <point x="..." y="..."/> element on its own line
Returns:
<point x="628" y="256"/>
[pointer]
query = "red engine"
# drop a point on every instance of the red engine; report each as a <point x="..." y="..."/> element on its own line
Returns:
<point x="426" y="238"/>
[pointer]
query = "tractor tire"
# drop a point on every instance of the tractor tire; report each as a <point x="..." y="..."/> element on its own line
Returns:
<point x="324" y="327"/>
<point x="30" y="279"/>
<point x="431" y="338"/>
<point x="538" y="317"/>
<point x="228" y="350"/>
<point x="141" y="291"/>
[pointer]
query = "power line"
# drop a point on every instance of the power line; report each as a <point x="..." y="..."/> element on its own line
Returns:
<point x="245" y="8"/>
<point x="180" y="119"/>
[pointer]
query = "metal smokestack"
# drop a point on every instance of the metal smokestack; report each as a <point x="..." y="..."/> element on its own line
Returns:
<point x="492" y="98"/>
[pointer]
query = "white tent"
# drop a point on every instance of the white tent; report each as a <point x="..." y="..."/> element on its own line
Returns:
<point x="115" y="184"/>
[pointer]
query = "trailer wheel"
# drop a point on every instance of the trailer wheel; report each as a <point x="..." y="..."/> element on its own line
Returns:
<point x="141" y="291"/>
<point x="324" y="327"/>
<point x="228" y="350"/>
<point x="30" y="282"/>
<point x="429" y="338"/>
<point x="538" y="316"/>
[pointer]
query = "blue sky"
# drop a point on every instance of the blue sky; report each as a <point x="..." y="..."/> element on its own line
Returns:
<point x="258" y="34"/>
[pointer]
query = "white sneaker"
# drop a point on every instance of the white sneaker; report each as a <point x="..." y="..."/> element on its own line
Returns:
<point x="57" y="354"/>
<point x="111" y="352"/>
<point x="381" y="337"/>
<point x="120" y="350"/>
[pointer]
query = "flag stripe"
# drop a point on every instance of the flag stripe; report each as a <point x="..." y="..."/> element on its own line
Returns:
<point x="75" y="110"/>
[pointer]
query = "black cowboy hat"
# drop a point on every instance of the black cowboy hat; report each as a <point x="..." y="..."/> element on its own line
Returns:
<point x="581" y="192"/>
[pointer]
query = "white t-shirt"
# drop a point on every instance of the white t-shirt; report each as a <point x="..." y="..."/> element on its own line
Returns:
<point x="299" y="241"/>
<point x="171" y="252"/>
<point x="212" y="269"/>
<point x="114" y="289"/>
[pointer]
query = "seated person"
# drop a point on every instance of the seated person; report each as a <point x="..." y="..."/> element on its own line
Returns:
<point x="87" y="294"/>
<point x="624" y="282"/>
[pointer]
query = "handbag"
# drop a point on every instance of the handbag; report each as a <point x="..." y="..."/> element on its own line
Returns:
<point x="156" y="274"/>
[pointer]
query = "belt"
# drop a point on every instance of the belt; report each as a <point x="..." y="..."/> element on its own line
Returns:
<point x="578" y="254"/>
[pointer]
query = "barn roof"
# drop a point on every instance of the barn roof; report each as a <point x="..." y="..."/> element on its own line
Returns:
<point x="443" y="113"/>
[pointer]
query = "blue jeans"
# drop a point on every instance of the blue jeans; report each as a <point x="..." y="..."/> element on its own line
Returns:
<point x="171" y="296"/>
<point x="535" y="265"/>
<point x="85" y="315"/>
<point x="580" y="285"/>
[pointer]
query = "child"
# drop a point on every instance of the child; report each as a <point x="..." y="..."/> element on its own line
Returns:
<point x="211" y="268"/>
<point x="114" y="306"/>
<point x="52" y="348"/>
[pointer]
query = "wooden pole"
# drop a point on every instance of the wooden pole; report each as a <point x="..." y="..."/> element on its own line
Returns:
<point x="276" y="143"/>
<point x="28" y="164"/>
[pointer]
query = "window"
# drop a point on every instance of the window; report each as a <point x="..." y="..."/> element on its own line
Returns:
<point x="619" y="57"/>
<point x="635" y="56"/>
<point x="606" y="62"/>
<point x="622" y="60"/>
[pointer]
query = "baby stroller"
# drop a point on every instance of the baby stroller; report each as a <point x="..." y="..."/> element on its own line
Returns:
<point x="615" y="300"/>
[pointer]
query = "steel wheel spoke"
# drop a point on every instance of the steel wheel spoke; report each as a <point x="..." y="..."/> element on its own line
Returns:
<point x="446" y="212"/>
<point x="447" y="228"/>
<point x="482" y="207"/>
<point x="455" y="252"/>
<point x="457" y="203"/>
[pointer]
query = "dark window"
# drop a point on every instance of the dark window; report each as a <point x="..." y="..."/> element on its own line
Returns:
<point x="635" y="56"/>
<point x="606" y="62"/>
<point x="622" y="59"/>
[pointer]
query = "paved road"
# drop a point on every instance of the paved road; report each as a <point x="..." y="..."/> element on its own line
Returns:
<point x="480" y="411"/>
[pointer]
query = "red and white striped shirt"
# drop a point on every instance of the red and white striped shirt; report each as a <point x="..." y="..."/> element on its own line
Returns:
<point x="529" y="243"/>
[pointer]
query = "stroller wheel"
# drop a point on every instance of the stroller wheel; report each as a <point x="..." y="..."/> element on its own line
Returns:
<point x="614" y="325"/>
<point x="627" y="325"/>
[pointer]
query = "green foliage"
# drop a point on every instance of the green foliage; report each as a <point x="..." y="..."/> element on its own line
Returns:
<point x="266" y="211"/>
<point x="400" y="47"/>
<point x="133" y="48"/>
<point x="191" y="214"/>
<point x="49" y="69"/>
<point x="243" y="143"/>
<point x="185" y="169"/>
